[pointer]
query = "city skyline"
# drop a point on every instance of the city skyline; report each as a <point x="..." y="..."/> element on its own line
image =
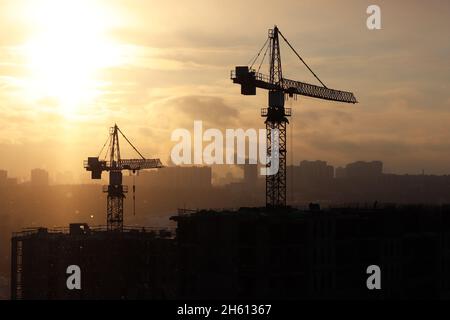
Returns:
<point x="221" y="174"/>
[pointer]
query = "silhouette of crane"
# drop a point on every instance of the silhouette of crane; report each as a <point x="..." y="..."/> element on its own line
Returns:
<point x="276" y="114"/>
<point x="116" y="191"/>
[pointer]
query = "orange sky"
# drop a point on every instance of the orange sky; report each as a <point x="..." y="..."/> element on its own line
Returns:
<point x="70" y="69"/>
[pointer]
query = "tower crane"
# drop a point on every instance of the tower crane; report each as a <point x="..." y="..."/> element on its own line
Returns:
<point x="115" y="190"/>
<point x="276" y="115"/>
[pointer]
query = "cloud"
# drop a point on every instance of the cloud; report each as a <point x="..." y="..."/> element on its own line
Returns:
<point x="213" y="111"/>
<point x="178" y="55"/>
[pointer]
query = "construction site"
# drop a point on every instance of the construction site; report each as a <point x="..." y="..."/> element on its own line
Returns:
<point x="271" y="252"/>
<point x="251" y="253"/>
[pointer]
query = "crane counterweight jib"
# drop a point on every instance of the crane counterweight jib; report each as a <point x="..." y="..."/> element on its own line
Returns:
<point x="246" y="78"/>
<point x="95" y="166"/>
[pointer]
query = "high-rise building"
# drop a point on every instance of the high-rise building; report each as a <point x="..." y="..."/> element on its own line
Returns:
<point x="191" y="178"/>
<point x="364" y="170"/>
<point x="3" y="178"/>
<point x="250" y="175"/>
<point x="39" y="178"/>
<point x="11" y="182"/>
<point x="340" y="173"/>
<point x="315" y="171"/>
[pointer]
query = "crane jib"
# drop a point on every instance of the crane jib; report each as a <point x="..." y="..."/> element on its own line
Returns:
<point x="310" y="90"/>
<point x="138" y="164"/>
<point x="250" y="80"/>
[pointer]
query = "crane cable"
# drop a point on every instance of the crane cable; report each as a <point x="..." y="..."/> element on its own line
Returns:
<point x="301" y="59"/>
<point x="134" y="194"/>
<point x="104" y="145"/>
<point x="264" y="57"/>
<point x="133" y="173"/>
<point x="131" y="144"/>
<point x="259" y="53"/>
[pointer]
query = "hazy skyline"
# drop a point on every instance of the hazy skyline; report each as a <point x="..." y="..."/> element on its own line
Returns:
<point x="69" y="70"/>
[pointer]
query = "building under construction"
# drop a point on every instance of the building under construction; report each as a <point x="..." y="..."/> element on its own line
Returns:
<point x="249" y="253"/>
<point x="132" y="264"/>
<point x="287" y="253"/>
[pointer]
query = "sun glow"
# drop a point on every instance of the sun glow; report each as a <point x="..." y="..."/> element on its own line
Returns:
<point x="68" y="48"/>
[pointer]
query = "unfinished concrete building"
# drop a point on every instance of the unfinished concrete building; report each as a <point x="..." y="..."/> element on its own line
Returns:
<point x="297" y="254"/>
<point x="133" y="264"/>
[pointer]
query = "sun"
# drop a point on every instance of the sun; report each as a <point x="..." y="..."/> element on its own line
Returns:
<point x="68" y="48"/>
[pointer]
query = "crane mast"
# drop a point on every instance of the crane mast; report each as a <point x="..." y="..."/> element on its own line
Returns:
<point x="276" y="115"/>
<point x="115" y="190"/>
<point x="276" y="122"/>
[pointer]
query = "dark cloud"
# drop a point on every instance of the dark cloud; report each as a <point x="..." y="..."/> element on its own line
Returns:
<point x="214" y="111"/>
<point x="354" y="147"/>
<point x="312" y="118"/>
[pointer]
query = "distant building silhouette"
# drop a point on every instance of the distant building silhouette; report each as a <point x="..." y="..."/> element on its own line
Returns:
<point x="192" y="178"/>
<point x="364" y="170"/>
<point x="10" y="182"/>
<point x="39" y="178"/>
<point x="250" y="175"/>
<point x="339" y="173"/>
<point x="311" y="180"/>
<point x="311" y="172"/>
<point x="6" y="181"/>
<point x="315" y="171"/>
<point x="3" y="178"/>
